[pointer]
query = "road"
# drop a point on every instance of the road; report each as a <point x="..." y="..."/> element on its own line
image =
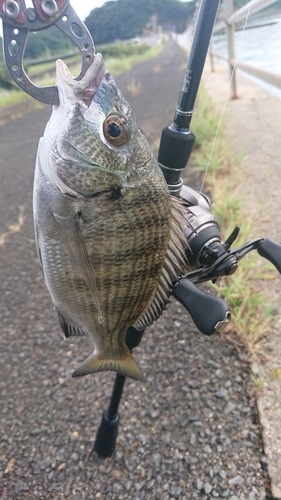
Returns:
<point x="189" y="430"/>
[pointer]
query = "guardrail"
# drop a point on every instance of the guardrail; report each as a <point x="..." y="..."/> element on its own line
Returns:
<point x="228" y="24"/>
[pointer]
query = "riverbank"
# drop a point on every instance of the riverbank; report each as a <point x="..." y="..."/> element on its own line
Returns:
<point x="252" y="125"/>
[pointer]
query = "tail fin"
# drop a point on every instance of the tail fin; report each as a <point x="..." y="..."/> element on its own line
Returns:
<point x="125" y="365"/>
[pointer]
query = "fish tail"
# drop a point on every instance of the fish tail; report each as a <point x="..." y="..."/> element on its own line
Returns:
<point x="124" y="365"/>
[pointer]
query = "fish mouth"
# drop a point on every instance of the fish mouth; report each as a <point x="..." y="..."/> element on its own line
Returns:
<point x="79" y="90"/>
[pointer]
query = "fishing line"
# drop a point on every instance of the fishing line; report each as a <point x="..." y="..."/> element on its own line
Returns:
<point x="226" y="98"/>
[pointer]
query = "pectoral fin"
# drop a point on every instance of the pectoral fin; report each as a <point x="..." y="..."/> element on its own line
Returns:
<point x="75" y="245"/>
<point x="124" y="365"/>
<point x="38" y="249"/>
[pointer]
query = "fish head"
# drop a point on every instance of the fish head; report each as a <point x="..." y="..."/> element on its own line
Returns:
<point x="95" y="130"/>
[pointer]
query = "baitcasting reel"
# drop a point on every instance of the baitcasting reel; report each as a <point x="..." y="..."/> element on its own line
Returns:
<point x="210" y="259"/>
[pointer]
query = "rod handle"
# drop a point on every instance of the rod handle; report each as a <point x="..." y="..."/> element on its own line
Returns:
<point x="107" y="434"/>
<point x="209" y="313"/>
<point x="174" y="152"/>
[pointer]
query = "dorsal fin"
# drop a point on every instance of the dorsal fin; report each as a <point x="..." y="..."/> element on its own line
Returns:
<point x="175" y="264"/>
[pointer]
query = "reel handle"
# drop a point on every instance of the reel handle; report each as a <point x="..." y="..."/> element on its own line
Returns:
<point x="271" y="251"/>
<point x="209" y="313"/>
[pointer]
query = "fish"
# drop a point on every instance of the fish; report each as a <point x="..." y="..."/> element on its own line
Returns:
<point x="109" y="235"/>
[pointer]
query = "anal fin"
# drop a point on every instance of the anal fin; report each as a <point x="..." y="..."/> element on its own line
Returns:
<point x="70" y="330"/>
<point x="124" y="365"/>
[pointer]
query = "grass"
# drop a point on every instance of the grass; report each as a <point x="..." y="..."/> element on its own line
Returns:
<point x="251" y="309"/>
<point x="118" y="66"/>
<point x="11" y="97"/>
<point x="129" y="57"/>
<point x="134" y="87"/>
<point x="14" y="228"/>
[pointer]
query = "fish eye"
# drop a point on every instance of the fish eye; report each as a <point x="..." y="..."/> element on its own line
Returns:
<point x="116" y="129"/>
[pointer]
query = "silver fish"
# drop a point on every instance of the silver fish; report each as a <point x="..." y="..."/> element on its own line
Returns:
<point x="109" y="235"/>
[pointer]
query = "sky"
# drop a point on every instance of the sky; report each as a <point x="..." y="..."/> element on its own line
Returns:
<point x="83" y="8"/>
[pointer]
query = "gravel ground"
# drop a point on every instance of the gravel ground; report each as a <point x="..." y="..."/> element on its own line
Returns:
<point x="189" y="430"/>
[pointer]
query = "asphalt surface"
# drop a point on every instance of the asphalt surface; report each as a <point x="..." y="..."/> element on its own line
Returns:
<point x="189" y="430"/>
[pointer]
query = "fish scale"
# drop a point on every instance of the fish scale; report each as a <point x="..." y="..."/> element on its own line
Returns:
<point x="138" y="275"/>
<point x="109" y="235"/>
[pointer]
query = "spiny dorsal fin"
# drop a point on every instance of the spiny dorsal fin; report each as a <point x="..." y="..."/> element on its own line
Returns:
<point x="175" y="264"/>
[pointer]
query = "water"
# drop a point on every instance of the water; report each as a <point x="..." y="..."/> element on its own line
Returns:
<point x="259" y="47"/>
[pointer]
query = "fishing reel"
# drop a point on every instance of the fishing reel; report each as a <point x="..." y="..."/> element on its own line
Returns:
<point x="209" y="259"/>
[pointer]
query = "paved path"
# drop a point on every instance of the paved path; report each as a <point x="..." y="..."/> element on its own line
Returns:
<point x="189" y="430"/>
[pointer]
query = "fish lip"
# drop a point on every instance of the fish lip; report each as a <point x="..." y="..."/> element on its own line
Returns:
<point x="79" y="90"/>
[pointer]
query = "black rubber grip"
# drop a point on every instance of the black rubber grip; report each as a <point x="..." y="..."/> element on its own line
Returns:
<point x="106" y="436"/>
<point x="209" y="313"/>
<point x="133" y="337"/>
<point x="271" y="251"/>
<point x="174" y="152"/>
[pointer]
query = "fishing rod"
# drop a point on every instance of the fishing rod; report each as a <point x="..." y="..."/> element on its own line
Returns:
<point x="177" y="140"/>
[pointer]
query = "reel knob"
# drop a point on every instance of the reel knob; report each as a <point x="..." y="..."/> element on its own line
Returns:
<point x="209" y="313"/>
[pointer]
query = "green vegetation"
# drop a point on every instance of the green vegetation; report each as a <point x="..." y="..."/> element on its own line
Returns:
<point x="115" y="20"/>
<point x="5" y="79"/>
<point x="118" y="59"/>
<point x="239" y="3"/>
<point x="121" y="50"/>
<point x="47" y="42"/>
<point x="44" y="44"/>
<point x="259" y="382"/>
<point x="11" y="97"/>
<point x="118" y="65"/>
<point x="251" y="310"/>
<point x="124" y="19"/>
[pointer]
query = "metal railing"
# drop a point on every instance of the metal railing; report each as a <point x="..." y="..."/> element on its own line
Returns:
<point x="228" y="24"/>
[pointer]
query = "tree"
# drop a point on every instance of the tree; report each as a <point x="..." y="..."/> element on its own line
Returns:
<point x="124" y="19"/>
<point x="115" y="20"/>
<point x="46" y="43"/>
<point x="239" y="3"/>
<point x="174" y="12"/>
